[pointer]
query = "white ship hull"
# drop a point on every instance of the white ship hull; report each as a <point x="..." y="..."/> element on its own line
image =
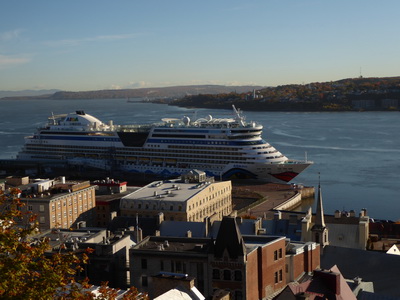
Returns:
<point x="224" y="148"/>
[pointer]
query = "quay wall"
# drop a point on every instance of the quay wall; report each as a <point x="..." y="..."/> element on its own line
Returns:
<point x="293" y="201"/>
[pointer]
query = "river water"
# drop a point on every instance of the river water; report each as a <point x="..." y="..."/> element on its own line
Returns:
<point x="357" y="154"/>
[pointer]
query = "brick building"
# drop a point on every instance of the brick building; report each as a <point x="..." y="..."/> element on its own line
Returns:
<point x="108" y="196"/>
<point x="247" y="267"/>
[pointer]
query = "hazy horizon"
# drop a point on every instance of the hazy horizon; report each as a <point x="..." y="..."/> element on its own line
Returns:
<point x="97" y="45"/>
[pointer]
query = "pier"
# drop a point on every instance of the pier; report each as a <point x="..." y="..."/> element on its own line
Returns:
<point x="271" y="197"/>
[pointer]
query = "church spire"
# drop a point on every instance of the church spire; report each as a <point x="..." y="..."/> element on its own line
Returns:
<point x="319" y="217"/>
<point x="319" y="230"/>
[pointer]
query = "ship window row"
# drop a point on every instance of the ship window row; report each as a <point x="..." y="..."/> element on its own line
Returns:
<point x="267" y="146"/>
<point x="174" y="130"/>
<point x="203" y="148"/>
<point x="272" y="157"/>
<point x="245" y="130"/>
<point x="188" y="158"/>
<point x="183" y="136"/>
<point x="134" y="151"/>
<point x="267" y="152"/>
<point x="236" y="137"/>
<point x="74" y="133"/>
<point x="203" y="142"/>
<point x="138" y="153"/>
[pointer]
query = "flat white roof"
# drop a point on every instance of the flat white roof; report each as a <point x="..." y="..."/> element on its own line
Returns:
<point x="171" y="190"/>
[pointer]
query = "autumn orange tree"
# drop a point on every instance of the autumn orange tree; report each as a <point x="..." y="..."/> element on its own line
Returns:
<point x="26" y="272"/>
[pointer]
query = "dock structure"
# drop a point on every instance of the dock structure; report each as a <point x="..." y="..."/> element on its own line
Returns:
<point x="273" y="196"/>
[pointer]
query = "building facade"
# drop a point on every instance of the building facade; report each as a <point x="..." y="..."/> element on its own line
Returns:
<point x="245" y="267"/>
<point x="180" y="200"/>
<point x="59" y="203"/>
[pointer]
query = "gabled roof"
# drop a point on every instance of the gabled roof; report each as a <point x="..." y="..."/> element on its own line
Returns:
<point x="324" y="284"/>
<point x="230" y="239"/>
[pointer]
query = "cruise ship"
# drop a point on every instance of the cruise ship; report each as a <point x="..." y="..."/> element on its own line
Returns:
<point x="226" y="148"/>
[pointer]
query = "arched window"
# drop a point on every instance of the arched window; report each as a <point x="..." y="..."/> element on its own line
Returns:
<point x="227" y="275"/>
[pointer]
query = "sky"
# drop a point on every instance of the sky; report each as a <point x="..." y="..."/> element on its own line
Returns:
<point x="85" y="45"/>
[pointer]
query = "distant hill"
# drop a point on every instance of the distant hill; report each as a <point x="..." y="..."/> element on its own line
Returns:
<point x="150" y="93"/>
<point x="27" y="93"/>
<point x="358" y="94"/>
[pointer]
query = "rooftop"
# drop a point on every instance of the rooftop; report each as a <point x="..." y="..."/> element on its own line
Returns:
<point x="170" y="244"/>
<point x="168" y="190"/>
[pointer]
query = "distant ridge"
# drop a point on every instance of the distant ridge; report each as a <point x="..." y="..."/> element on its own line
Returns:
<point x="151" y="93"/>
<point x="27" y="93"/>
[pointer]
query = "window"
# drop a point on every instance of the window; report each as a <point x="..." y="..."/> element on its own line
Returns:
<point x="215" y="274"/>
<point x="42" y="220"/>
<point x="144" y="263"/>
<point x="144" y="281"/>
<point x="41" y="208"/>
<point x="238" y="295"/>
<point x="276" y="277"/>
<point x="238" y="275"/>
<point x="280" y="275"/>
<point x="280" y="253"/>
<point x="227" y="275"/>
<point x="30" y="207"/>
<point x="178" y="266"/>
<point x="275" y="255"/>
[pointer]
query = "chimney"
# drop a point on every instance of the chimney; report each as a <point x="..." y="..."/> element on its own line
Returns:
<point x="207" y="226"/>
<point x="363" y="212"/>
<point x="352" y="213"/>
<point x="337" y="214"/>
<point x="139" y="234"/>
<point x="277" y="215"/>
<point x="160" y="218"/>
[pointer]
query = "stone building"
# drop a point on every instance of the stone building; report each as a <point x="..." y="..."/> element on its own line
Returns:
<point x="58" y="203"/>
<point x="108" y="260"/>
<point x="345" y="228"/>
<point x="191" y="198"/>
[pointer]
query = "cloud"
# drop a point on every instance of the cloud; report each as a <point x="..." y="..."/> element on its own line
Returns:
<point x="100" y="38"/>
<point x="10" y="35"/>
<point x="9" y="61"/>
<point x="139" y="84"/>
